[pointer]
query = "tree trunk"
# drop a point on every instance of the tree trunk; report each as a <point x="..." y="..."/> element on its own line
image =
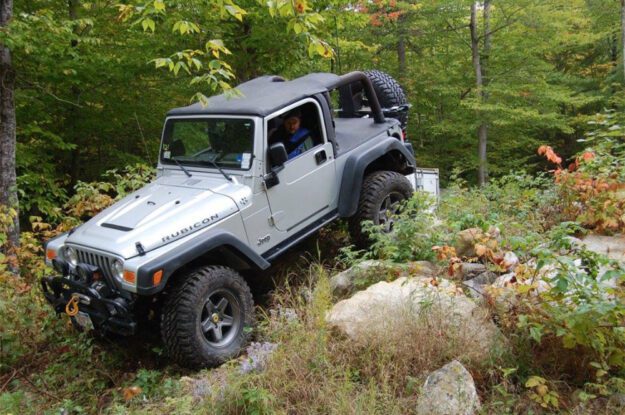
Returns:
<point x="8" y="179"/>
<point x="74" y="165"/>
<point x="401" y="55"/>
<point x="487" y="47"/>
<point x="623" y="35"/>
<point x="482" y="131"/>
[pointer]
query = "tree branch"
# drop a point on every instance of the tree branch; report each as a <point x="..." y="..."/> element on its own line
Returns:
<point x="35" y="85"/>
<point x="456" y="31"/>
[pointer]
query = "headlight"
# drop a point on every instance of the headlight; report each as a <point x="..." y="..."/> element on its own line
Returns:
<point x="118" y="269"/>
<point x="71" y="255"/>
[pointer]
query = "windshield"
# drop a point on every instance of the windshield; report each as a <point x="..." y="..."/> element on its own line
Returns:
<point x="206" y="142"/>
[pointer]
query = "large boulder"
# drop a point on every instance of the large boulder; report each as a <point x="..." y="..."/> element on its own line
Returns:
<point x="611" y="246"/>
<point x="449" y="391"/>
<point x="342" y="284"/>
<point x="387" y="308"/>
<point x="348" y="281"/>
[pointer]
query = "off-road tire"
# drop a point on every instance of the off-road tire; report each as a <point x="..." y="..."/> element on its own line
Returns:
<point x="388" y="90"/>
<point x="181" y="322"/>
<point x="376" y="188"/>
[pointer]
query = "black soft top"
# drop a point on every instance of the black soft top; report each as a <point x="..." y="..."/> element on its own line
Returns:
<point x="264" y="95"/>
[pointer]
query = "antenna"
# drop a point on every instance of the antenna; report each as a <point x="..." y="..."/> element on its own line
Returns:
<point x="338" y="46"/>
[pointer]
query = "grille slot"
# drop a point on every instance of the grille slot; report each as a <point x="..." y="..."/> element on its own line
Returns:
<point x="103" y="262"/>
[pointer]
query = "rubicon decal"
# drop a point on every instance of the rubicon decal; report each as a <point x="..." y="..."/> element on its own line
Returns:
<point x="192" y="228"/>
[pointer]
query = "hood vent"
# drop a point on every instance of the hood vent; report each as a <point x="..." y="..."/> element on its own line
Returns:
<point x="116" y="227"/>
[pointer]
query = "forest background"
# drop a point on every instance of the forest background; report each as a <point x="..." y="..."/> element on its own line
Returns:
<point x="488" y="81"/>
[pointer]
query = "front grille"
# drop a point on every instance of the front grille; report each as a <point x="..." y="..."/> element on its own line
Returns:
<point x="103" y="262"/>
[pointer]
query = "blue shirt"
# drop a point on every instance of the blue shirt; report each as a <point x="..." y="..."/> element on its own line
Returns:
<point x="300" y="135"/>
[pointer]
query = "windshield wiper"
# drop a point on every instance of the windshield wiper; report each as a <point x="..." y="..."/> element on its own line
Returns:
<point x="181" y="166"/>
<point x="214" y="164"/>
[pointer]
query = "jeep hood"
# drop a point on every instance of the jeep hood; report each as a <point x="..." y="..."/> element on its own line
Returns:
<point x="166" y="210"/>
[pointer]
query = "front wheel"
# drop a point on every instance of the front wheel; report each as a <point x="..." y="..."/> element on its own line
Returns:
<point x="381" y="197"/>
<point x="207" y="317"/>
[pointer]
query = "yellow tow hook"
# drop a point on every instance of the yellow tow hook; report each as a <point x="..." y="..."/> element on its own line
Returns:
<point x="72" y="306"/>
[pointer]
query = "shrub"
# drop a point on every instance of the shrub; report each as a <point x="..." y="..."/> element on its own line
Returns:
<point x="592" y="188"/>
<point x="571" y="305"/>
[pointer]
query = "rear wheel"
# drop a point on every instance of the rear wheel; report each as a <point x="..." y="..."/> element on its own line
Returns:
<point x="207" y="317"/>
<point x="381" y="198"/>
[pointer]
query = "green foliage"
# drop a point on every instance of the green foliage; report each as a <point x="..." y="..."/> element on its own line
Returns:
<point x="584" y="304"/>
<point x="45" y="365"/>
<point x="551" y="66"/>
<point x="255" y="401"/>
<point x="414" y="233"/>
<point x="521" y="206"/>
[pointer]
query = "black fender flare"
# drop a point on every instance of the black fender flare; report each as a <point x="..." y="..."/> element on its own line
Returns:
<point x="356" y="164"/>
<point x="182" y="255"/>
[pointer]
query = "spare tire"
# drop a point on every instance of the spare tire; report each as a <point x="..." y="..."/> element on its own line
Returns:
<point x="389" y="92"/>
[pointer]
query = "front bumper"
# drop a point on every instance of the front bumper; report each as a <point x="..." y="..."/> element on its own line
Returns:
<point x="107" y="314"/>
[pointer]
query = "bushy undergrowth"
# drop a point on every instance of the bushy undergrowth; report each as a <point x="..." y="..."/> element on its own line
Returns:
<point x="592" y="187"/>
<point x="315" y="369"/>
<point x="562" y="315"/>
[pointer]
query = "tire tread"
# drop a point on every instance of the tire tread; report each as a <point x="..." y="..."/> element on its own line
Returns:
<point x="178" y="317"/>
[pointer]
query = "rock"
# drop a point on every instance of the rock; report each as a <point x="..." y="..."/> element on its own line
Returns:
<point x="469" y="270"/>
<point x="423" y="269"/>
<point x="617" y="401"/>
<point x="510" y="261"/>
<point x="387" y="308"/>
<point x="342" y="284"/>
<point x="476" y="285"/>
<point x="575" y="243"/>
<point x="449" y="391"/>
<point x="611" y="246"/>
<point x="504" y="280"/>
<point x="466" y="240"/>
<point x="258" y="355"/>
<point x="504" y="291"/>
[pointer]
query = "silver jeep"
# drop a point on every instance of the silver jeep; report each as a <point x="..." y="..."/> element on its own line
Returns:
<point x="233" y="191"/>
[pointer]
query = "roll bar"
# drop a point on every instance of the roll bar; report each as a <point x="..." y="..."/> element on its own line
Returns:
<point x="344" y="85"/>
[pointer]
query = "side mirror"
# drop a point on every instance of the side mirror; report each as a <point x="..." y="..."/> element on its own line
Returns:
<point x="277" y="155"/>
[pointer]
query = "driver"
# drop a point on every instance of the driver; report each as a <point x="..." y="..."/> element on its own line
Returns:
<point x="296" y="138"/>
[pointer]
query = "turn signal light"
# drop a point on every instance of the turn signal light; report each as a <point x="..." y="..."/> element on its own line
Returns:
<point x="157" y="277"/>
<point x="130" y="277"/>
<point x="50" y="254"/>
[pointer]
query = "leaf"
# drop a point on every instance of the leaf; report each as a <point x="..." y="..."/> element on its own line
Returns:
<point x="159" y="5"/>
<point x="148" y="23"/>
<point x="536" y="333"/>
<point x="534" y="381"/>
<point x="551" y="155"/>
<point x="481" y="250"/>
<point x="131" y="392"/>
